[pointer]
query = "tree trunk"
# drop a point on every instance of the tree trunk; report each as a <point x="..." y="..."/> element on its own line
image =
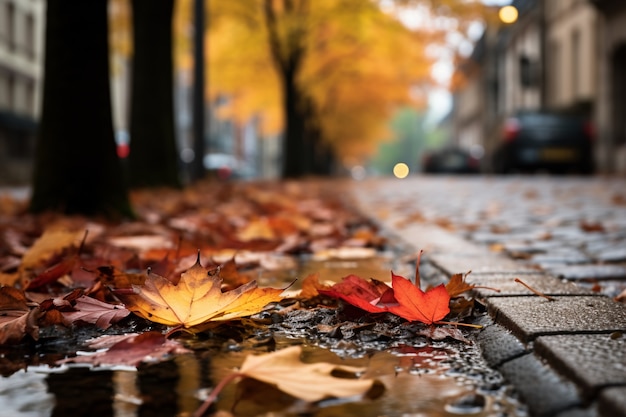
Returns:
<point x="153" y="158"/>
<point x="295" y="152"/>
<point x="76" y="165"/>
<point x="288" y="54"/>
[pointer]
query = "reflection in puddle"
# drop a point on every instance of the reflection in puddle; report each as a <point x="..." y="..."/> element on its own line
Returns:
<point x="334" y="269"/>
<point x="418" y="381"/>
<point x="25" y="394"/>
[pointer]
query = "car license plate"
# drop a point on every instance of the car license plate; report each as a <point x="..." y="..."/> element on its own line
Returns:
<point x="559" y="154"/>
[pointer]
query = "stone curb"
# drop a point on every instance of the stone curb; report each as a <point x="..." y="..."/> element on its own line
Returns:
<point x="566" y="357"/>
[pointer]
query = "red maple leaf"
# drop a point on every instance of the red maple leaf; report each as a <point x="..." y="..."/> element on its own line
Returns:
<point x="366" y="295"/>
<point x="403" y="299"/>
<point x="416" y="305"/>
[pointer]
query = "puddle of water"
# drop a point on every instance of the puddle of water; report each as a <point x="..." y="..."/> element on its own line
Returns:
<point x="418" y="381"/>
<point x="334" y="269"/>
<point x="421" y="380"/>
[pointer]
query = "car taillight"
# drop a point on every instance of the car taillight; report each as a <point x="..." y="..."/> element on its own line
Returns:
<point x="511" y="130"/>
<point x="590" y="130"/>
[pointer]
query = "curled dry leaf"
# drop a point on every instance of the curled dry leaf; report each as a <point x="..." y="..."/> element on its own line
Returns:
<point x="196" y="299"/>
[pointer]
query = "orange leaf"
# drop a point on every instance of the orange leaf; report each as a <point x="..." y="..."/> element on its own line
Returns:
<point x="196" y="299"/>
<point x="311" y="286"/>
<point x="417" y="305"/>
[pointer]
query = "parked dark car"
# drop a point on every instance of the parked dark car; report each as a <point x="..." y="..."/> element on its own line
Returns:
<point x="450" y="160"/>
<point x="552" y="142"/>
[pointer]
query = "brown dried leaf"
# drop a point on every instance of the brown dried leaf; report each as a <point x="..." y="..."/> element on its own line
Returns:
<point x="90" y="310"/>
<point x="17" y="319"/>
<point x="457" y="285"/>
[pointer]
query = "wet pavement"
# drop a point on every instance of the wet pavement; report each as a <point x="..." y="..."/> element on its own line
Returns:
<point x="564" y="237"/>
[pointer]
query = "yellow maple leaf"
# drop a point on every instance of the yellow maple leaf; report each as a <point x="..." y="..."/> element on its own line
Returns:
<point x="196" y="299"/>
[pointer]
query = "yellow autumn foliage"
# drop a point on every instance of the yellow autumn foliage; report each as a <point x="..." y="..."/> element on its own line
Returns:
<point x="358" y="62"/>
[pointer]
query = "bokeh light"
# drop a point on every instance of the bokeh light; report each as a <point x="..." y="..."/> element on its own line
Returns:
<point x="508" y="14"/>
<point x="401" y="170"/>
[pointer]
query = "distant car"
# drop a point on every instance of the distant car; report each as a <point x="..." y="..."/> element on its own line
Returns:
<point x="553" y="142"/>
<point x="450" y="160"/>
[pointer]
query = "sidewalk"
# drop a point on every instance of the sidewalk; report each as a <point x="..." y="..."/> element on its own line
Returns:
<point x="566" y="357"/>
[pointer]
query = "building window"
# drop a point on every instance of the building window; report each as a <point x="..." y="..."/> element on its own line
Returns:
<point x="528" y="72"/>
<point x="30" y="98"/>
<point x="575" y="63"/>
<point x="19" y="96"/>
<point x="554" y="72"/>
<point x="29" y="42"/>
<point x="5" y="98"/>
<point x="7" y="24"/>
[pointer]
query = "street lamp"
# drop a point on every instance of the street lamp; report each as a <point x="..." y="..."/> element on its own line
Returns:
<point x="508" y="14"/>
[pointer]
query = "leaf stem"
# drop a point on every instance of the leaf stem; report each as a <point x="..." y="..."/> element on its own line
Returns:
<point x="215" y="392"/>
<point x="474" y="326"/>
<point x="486" y="288"/>
<point x="417" y="269"/>
<point x="540" y="294"/>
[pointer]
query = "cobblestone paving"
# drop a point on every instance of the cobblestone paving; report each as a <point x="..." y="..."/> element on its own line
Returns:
<point x="574" y="228"/>
<point x="564" y="236"/>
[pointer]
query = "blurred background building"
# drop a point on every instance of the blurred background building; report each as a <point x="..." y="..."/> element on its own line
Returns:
<point x="561" y="55"/>
<point x="21" y="63"/>
<point x="565" y="56"/>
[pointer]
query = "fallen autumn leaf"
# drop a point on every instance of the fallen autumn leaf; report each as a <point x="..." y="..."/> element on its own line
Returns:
<point x="196" y="299"/>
